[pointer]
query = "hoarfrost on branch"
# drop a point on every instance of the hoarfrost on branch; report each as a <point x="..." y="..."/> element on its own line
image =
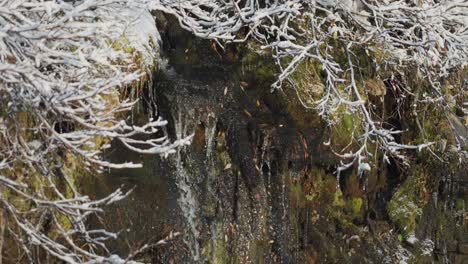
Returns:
<point x="60" y="62"/>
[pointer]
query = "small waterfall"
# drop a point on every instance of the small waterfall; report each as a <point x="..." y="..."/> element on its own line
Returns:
<point x="187" y="201"/>
<point x="188" y="205"/>
<point x="185" y="179"/>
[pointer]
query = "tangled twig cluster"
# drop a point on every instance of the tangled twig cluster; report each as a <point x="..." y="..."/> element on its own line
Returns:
<point x="425" y="36"/>
<point x="59" y="64"/>
<point x="61" y="75"/>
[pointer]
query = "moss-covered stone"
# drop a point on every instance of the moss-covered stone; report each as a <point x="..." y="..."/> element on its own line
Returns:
<point x="406" y="206"/>
<point x="258" y="62"/>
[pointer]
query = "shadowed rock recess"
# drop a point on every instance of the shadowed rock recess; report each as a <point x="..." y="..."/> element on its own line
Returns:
<point x="258" y="184"/>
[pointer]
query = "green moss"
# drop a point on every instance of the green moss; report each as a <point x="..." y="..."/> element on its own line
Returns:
<point x="310" y="197"/>
<point x="333" y="253"/>
<point x="310" y="87"/>
<point x="460" y="204"/>
<point x="400" y="237"/>
<point x="133" y="91"/>
<point x="404" y="212"/>
<point x="297" y="194"/>
<point x="354" y="206"/>
<point x="330" y="202"/>
<point x="258" y="250"/>
<point x="375" y="87"/>
<point x="260" y="65"/>
<point x="217" y="250"/>
<point x="338" y="199"/>
<point x="221" y="254"/>
<point x="406" y="206"/>
<point x="337" y="210"/>
<point x="346" y="127"/>
<point x="222" y="154"/>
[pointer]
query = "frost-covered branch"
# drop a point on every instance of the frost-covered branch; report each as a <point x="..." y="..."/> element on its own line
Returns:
<point x="63" y="65"/>
<point x="428" y="37"/>
<point x="63" y="68"/>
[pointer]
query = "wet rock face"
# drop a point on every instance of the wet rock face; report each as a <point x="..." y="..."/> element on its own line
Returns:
<point x="244" y="141"/>
<point x="265" y="185"/>
<point x="258" y="186"/>
<point x="250" y="156"/>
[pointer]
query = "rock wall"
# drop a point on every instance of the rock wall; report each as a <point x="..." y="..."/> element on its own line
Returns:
<point x="263" y="176"/>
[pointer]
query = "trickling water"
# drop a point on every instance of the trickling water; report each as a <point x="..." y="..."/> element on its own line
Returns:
<point x="210" y="133"/>
<point x="265" y="162"/>
<point x="188" y="205"/>
<point x="234" y="195"/>
<point x="187" y="201"/>
<point x="283" y="196"/>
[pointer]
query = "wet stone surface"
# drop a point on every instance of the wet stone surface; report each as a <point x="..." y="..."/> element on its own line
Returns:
<point x="257" y="185"/>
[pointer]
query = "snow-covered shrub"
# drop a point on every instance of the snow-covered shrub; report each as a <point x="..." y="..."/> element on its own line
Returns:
<point x="62" y="67"/>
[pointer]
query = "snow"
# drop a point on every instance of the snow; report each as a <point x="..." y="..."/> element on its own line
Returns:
<point x="412" y="239"/>
<point x="142" y="33"/>
<point x="112" y="259"/>
<point x="58" y="54"/>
